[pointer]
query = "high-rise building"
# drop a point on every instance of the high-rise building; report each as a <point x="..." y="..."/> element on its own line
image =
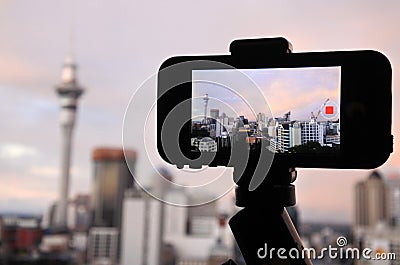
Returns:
<point x="141" y="233"/>
<point x="226" y="123"/>
<point x="154" y="232"/>
<point x="111" y="179"/>
<point x="312" y="132"/>
<point x="295" y="134"/>
<point x="214" y="113"/>
<point x="194" y="228"/>
<point x="261" y="117"/>
<point x="69" y="92"/>
<point x="79" y="216"/>
<point x="103" y="246"/>
<point x="288" y="135"/>
<point x="262" y="121"/>
<point x="283" y="137"/>
<point x="371" y="201"/>
<point x="393" y="185"/>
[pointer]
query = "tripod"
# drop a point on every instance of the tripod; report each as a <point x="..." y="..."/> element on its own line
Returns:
<point x="263" y="230"/>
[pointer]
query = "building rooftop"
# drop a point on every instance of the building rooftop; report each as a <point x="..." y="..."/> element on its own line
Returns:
<point x="206" y="139"/>
<point x="108" y="153"/>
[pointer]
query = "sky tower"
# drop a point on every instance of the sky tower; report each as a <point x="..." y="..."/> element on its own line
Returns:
<point x="68" y="92"/>
<point x="206" y="99"/>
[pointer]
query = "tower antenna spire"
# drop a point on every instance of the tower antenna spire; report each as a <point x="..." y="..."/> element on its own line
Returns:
<point x="71" y="37"/>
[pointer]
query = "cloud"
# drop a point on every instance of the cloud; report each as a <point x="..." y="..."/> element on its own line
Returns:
<point x="44" y="171"/>
<point x="280" y="90"/>
<point x="22" y="192"/>
<point x="15" y="151"/>
<point x="48" y="171"/>
<point x="14" y="189"/>
<point x="20" y="71"/>
<point x="286" y="100"/>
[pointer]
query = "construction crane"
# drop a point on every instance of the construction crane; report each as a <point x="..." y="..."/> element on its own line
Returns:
<point x="286" y="116"/>
<point x="315" y="117"/>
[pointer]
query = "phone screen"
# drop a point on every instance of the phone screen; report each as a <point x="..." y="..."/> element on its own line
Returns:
<point x="299" y="113"/>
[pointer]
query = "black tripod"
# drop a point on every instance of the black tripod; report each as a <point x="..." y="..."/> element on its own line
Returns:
<point x="263" y="230"/>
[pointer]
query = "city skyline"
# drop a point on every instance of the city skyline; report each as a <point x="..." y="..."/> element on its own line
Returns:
<point x="281" y="134"/>
<point x="113" y="65"/>
<point x="375" y="227"/>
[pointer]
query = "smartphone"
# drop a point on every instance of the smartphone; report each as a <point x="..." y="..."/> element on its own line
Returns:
<point x="315" y="110"/>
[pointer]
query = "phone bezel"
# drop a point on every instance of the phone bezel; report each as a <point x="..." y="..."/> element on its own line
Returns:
<point x="365" y="99"/>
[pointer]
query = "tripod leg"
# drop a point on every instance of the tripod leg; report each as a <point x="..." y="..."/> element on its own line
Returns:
<point x="267" y="236"/>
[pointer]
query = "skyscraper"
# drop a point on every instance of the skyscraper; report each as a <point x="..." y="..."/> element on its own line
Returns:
<point x="111" y="179"/>
<point x="393" y="185"/>
<point x="69" y="92"/>
<point x="312" y="132"/>
<point x="141" y="232"/>
<point x="214" y="113"/>
<point x="295" y="134"/>
<point x="283" y="137"/>
<point x="371" y="201"/>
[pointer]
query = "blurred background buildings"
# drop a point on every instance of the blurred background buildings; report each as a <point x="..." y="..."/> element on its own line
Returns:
<point x="377" y="211"/>
<point x="117" y="223"/>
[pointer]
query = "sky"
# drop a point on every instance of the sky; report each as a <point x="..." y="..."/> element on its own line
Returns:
<point x="296" y="90"/>
<point x="119" y="44"/>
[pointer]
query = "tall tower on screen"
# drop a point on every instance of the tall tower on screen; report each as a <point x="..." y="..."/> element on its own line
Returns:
<point x="69" y="92"/>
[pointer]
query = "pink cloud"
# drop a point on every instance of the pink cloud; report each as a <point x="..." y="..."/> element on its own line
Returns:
<point x="16" y="70"/>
